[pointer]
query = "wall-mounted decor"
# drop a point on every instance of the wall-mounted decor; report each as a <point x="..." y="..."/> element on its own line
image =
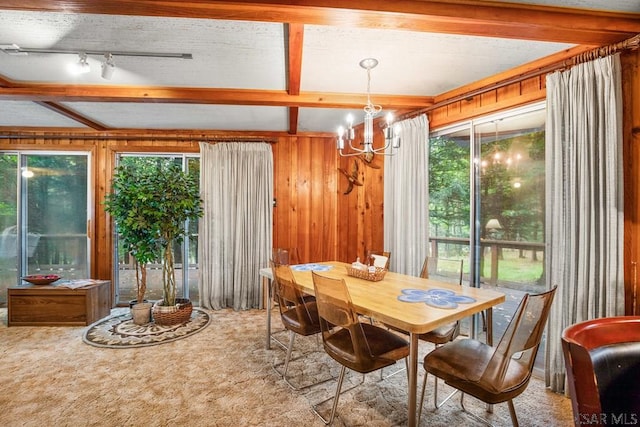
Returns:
<point x="352" y="177"/>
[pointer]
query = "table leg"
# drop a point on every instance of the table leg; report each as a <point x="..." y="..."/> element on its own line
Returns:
<point x="490" y="326"/>
<point x="266" y="290"/>
<point x="413" y="378"/>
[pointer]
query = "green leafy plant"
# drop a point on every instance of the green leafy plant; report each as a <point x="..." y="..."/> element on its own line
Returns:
<point x="150" y="206"/>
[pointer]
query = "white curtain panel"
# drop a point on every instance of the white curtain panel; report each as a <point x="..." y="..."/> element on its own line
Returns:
<point x="584" y="201"/>
<point x="406" y="198"/>
<point x="235" y="235"/>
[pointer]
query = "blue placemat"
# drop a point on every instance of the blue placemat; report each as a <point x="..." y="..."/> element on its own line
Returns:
<point x="311" y="267"/>
<point x="438" y="298"/>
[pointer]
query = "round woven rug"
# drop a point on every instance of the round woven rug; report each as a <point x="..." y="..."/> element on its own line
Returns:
<point x="119" y="331"/>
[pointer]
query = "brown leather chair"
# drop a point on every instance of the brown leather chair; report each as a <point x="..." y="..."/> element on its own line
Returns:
<point x="495" y="374"/>
<point x="359" y="346"/>
<point x="298" y="316"/>
<point x="283" y="256"/>
<point x="602" y="357"/>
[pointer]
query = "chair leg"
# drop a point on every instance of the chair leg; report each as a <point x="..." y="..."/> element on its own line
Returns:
<point x="405" y="369"/>
<point x="335" y="400"/>
<point x="283" y="374"/>
<point x="435" y="395"/>
<point x="512" y="413"/>
<point x="424" y="387"/>
<point x="287" y="359"/>
<point x="339" y="392"/>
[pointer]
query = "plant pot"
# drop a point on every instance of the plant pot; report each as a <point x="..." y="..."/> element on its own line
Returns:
<point x="135" y="301"/>
<point x="141" y="313"/>
<point x="172" y="315"/>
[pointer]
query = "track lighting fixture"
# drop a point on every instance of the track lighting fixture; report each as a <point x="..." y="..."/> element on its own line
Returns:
<point x="108" y="66"/>
<point x="82" y="66"/>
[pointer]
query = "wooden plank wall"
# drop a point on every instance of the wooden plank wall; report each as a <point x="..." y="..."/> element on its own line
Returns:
<point x="360" y="227"/>
<point x="631" y="155"/>
<point x="511" y="96"/>
<point x="305" y="191"/>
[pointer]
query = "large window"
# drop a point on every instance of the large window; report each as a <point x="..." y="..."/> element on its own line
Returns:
<point x="185" y="255"/>
<point x="486" y="202"/>
<point x="43" y="216"/>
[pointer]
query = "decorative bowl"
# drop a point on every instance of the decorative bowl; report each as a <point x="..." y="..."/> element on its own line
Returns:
<point x="41" y="279"/>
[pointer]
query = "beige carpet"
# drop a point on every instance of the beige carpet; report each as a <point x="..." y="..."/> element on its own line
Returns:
<point x="221" y="376"/>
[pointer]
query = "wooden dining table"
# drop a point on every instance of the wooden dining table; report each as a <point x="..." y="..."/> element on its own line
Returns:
<point x="380" y="301"/>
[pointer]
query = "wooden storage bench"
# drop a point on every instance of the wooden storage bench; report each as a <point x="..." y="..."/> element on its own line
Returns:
<point x="52" y="305"/>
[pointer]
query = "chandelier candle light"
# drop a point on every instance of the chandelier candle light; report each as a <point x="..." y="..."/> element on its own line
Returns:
<point x="391" y="133"/>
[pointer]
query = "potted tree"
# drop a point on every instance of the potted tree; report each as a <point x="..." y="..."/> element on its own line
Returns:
<point x="151" y="205"/>
<point x="130" y="189"/>
<point x="176" y="201"/>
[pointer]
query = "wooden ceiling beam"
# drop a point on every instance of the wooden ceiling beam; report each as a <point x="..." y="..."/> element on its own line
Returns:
<point x="479" y="18"/>
<point x="295" y="39"/>
<point x="182" y="95"/>
<point x="294" y="44"/>
<point x="293" y="120"/>
<point x="74" y="115"/>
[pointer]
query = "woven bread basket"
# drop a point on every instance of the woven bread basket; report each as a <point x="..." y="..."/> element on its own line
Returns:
<point x="366" y="275"/>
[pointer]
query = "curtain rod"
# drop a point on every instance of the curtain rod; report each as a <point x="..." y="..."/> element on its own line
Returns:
<point x="196" y="138"/>
<point x="601" y="52"/>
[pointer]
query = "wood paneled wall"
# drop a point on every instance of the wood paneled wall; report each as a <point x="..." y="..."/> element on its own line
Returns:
<point x="511" y="96"/>
<point x="305" y="192"/>
<point x="631" y="155"/>
<point x="360" y="225"/>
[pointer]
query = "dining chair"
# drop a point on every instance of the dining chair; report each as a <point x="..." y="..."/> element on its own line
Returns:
<point x="285" y="256"/>
<point x="298" y="316"/>
<point x="438" y="268"/>
<point x="448" y="270"/>
<point x="381" y="258"/>
<point x="602" y="357"/>
<point x="359" y="346"/>
<point x="443" y="269"/>
<point x="494" y="374"/>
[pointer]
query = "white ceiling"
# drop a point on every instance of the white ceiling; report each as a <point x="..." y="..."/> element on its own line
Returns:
<point x="247" y="55"/>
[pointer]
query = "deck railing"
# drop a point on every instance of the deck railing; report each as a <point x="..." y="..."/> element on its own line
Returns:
<point x="494" y="248"/>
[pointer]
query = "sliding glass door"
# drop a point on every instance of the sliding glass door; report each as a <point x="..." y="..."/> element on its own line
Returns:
<point x="44" y="209"/>
<point x="185" y="254"/>
<point x="486" y="202"/>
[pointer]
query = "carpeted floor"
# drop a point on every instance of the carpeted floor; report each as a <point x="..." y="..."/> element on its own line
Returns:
<point x="221" y="376"/>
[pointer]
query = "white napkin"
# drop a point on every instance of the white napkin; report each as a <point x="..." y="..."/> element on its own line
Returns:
<point x="379" y="261"/>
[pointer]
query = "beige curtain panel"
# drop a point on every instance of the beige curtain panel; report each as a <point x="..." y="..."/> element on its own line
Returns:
<point x="584" y="200"/>
<point x="236" y="180"/>
<point x="406" y="198"/>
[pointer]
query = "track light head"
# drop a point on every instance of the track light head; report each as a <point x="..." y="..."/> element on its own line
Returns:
<point x="82" y="67"/>
<point x="108" y="66"/>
